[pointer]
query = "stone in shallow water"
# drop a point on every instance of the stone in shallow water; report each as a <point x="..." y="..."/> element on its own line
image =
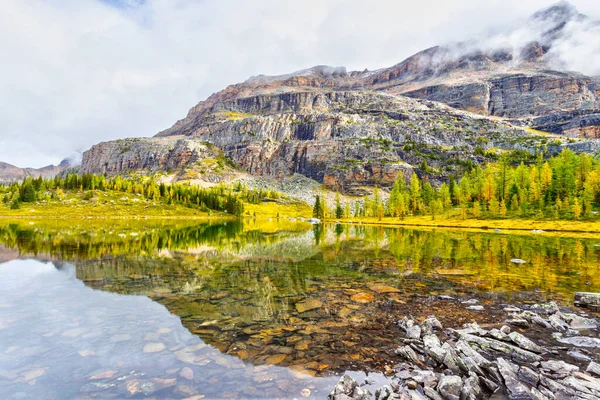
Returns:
<point x="344" y="312"/>
<point x="34" y="373"/>
<point x="362" y="297"/>
<point x="275" y="359"/>
<point x="104" y="375"/>
<point x="185" y="391"/>
<point x="263" y="377"/>
<point x="73" y="332"/>
<point x="302" y="345"/>
<point x="154" y="347"/>
<point x="376" y="287"/>
<point x="308" y="304"/>
<point x="187" y="373"/>
<point x="95" y="387"/>
<point x="151" y="337"/>
<point x="120" y="338"/>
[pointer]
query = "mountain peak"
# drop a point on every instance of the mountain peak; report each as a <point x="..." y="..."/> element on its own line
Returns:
<point x="318" y="70"/>
<point x="551" y="21"/>
<point x="560" y="10"/>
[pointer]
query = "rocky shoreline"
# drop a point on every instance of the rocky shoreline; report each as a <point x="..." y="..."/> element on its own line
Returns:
<point x="557" y="359"/>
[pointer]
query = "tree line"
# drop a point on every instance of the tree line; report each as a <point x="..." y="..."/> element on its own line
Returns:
<point x="566" y="186"/>
<point x="225" y="198"/>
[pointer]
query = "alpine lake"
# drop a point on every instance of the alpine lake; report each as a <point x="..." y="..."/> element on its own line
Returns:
<point x="249" y="309"/>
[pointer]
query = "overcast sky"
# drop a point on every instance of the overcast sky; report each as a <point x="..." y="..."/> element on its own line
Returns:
<point x="77" y="72"/>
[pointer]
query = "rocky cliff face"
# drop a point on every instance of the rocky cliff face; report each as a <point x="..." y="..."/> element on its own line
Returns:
<point x="178" y="158"/>
<point x="519" y="95"/>
<point x="355" y="129"/>
<point x="345" y="139"/>
<point x="151" y="154"/>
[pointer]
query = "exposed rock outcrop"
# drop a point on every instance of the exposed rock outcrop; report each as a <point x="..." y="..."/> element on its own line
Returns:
<point x="345" y="139"/>
<point x="151" y="154"/>
<point x="476" y="363"/>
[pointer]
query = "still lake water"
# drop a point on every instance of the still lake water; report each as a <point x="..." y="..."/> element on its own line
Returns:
<point x="176" y="309"/>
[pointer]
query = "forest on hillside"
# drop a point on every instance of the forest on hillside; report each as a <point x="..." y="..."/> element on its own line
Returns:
<point x="222" y="197"/>
<point x="566" y="186"/>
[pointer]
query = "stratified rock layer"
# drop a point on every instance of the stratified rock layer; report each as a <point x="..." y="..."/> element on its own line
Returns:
<point x="345" y="139"/>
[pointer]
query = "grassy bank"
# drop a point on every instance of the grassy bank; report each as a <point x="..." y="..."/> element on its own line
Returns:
<point x="114" y="204"/>
<point x="106" y="204"/>
<point x="283" y="210"/>
<point x="503" y="224"/>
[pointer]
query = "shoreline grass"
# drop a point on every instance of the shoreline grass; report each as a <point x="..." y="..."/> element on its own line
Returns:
<point x="590" y="228"/>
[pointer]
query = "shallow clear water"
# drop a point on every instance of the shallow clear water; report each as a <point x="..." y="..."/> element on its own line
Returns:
<point x="61" y="339"/>
<point x="181" y="309"/>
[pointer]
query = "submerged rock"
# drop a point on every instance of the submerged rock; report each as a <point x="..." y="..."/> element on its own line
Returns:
<point x="308" y="304"/>
<point x="362" y="297"/>
<point x="379" y="288"/>
<point x="154" y="347"/>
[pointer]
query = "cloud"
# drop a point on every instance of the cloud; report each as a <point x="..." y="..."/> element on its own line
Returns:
<point x="579" y="49"/>
<point x="77" y="72"/>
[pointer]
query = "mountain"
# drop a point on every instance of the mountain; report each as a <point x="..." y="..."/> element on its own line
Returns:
<point x="10" y="173"/>
<point x="434" y="113"/>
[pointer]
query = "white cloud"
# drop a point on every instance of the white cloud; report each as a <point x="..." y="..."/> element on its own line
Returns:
<point x="75" y="72"/>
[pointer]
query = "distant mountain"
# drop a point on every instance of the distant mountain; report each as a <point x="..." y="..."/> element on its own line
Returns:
<point x="10" y="173"/>
<point x="432" y="113"/>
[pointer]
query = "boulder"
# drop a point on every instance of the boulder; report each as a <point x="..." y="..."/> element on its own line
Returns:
<point x="348" y="389"/>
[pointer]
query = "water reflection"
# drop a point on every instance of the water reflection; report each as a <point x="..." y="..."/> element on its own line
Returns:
<point x="60" y="339"/>
<point x="316" y="299"/>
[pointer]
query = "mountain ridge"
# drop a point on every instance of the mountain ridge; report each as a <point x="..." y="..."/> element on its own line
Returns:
<point x="465" y="75"/>
<point x="10" y="173"/>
